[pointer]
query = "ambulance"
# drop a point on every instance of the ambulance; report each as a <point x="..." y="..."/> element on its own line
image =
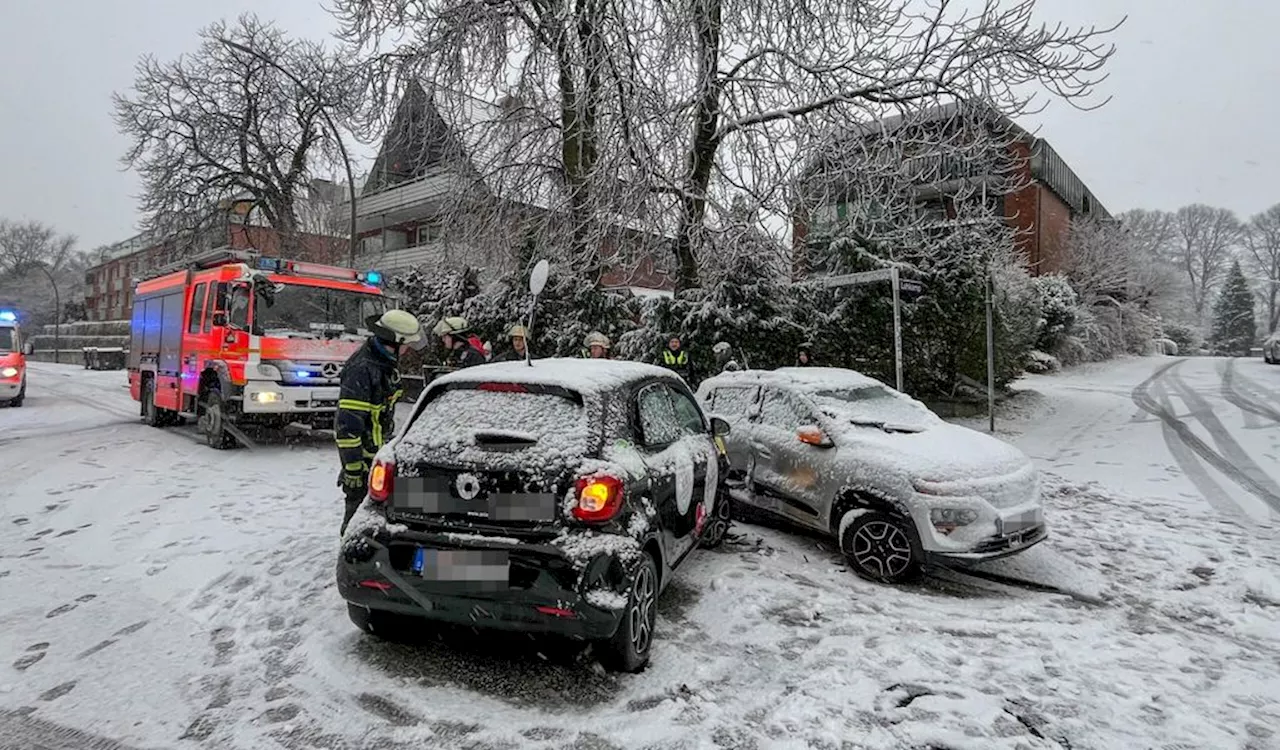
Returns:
<point x="13" y="360"/>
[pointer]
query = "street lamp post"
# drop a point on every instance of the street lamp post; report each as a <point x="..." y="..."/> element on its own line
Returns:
<point x="57" y="310"/>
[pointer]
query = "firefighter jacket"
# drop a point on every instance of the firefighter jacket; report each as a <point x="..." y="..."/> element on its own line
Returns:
<point x="366" y="405"/>
<point x="467" y="356"/>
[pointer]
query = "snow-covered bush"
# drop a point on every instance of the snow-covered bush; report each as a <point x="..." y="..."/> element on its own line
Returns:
<point x="1186" y="337"/>
<point x="1040" y="363"/>
<point x="1058" y="302"/>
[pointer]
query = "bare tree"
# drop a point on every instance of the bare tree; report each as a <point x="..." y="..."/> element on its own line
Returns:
<point x="233" y="121"/>
<point x="23" y="244"/>
<point x="1262" y="238"/>
<point x="697" y="100"/>
<point x="33" y="257"/>
<point x="1205" y="239"/>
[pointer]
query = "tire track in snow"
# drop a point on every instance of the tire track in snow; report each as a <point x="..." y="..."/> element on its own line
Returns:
<point x="20" y="731"/>
<point x="1243" y="392"/>
<point x="1142" y="397"/>
<point x="1227" y="445"/>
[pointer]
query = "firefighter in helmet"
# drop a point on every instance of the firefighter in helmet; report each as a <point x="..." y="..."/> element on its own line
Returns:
<point x="463" y="349"/>
<point x="370" y="387"/>
<point x="519" y="338"/>
<point x="597" y="346"/>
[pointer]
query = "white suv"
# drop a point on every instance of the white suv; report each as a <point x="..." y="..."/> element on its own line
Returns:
<point x="898" y="487"/>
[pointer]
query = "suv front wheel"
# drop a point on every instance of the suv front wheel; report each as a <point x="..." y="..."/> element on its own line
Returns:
<point x="882" y="547"/>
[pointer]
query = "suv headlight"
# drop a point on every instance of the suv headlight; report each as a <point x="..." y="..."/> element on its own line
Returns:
<point x="947" y="520"/>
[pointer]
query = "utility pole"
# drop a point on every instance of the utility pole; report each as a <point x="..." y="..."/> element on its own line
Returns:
<point x="991" y="351"/>
<point x="57" y="309"/>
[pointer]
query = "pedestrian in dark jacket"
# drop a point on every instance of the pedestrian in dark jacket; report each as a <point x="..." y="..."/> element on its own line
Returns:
<point x="461" y="352"/>
<point x="368" y="390"/>
<point x="804" y="355"/>
<point x="675" y="357"/>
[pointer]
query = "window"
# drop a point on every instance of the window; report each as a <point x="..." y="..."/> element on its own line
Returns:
<point x="688" y="413"/>
<point x="427" y="233"/>
<point x="209" y="308"/>
<point x="238" y="308"/>
<point x="197" y="308"/>
<point x="659" y="424"/>
<point x="738" y="402"/>
<point x="781" y="409"/>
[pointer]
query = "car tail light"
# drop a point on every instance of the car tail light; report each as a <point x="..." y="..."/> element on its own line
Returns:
<point x="599" y="498"/>
<point x="502" y="387"/>
<point x="381" y="480"/>
<point x="557" y="612"/>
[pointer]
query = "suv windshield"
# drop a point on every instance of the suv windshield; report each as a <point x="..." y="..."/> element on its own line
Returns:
<point x="312" y="311"/>
<point x="873" y="403"/>
<point x="6" y="340"/>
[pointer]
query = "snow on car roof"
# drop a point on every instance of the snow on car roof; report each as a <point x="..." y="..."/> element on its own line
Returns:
<point x="803" y="378"/>
<point x="580" y="375"/>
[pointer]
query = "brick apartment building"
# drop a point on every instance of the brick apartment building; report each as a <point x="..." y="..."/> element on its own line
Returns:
<point x="1047" y="197"/>
<point x="109" y="284"/>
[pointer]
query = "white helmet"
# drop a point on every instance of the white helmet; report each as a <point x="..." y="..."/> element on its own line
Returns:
<point x="595" y="338"/>
<point x="396" y="325"/>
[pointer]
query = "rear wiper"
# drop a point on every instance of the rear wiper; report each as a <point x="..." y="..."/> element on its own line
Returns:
<point x="505" y="438"/>
<point x="868" y="423"/>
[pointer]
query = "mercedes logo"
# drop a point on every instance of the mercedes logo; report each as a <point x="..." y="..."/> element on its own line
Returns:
<point x="330" y="369"/>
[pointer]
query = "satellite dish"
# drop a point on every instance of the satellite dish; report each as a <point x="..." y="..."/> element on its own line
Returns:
<point x="538" y="279"/>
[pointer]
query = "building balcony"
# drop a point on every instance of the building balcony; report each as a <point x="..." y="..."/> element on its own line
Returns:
<point x="415" y="199"/>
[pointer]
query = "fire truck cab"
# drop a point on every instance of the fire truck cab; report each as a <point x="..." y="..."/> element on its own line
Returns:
<point x="13" y="360"/>
<point x="238" y="338"/>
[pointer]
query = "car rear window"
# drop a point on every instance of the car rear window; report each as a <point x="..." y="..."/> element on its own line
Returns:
<point x="469" y="422"/>
<point x="733" y="401"/>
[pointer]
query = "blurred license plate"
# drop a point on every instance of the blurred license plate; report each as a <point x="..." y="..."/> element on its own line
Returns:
<point x="1019" y="523"/>
<point x="462" y="566"/>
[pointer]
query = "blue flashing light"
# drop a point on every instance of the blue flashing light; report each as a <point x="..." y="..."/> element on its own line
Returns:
<point x="269" y="264"/>
<point x="9" y="316"/>
<point x="302" y="374"/>
<point x="373" y="277"/>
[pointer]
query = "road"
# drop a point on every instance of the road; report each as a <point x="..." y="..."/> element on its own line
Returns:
<point x="155" y="593"/>
<point x="1205" y="428"/>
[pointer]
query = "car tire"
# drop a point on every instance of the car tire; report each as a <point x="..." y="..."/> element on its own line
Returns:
<point x="883" y="547"/>
<point x="717" y="526"/>
<point x="630" y="647"/>
<point x="213" y="415"/>
<point x="150" y="413"/>
<point x="17" y="400"/>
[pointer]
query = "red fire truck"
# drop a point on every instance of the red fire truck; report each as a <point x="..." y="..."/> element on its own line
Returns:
<point x="237" y="338"/>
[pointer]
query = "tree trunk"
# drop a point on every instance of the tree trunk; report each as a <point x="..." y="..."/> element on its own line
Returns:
<point x="702" y="150"/>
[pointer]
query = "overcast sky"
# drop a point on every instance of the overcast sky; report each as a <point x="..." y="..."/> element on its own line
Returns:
<point x="1192" y="118"/>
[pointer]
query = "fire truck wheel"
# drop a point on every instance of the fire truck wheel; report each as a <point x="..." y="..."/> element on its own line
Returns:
<point x="213" y="421"/>
<point x="150" y="414"/>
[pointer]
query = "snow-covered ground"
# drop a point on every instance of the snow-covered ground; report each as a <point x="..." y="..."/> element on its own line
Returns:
<point x="162" y="594"/>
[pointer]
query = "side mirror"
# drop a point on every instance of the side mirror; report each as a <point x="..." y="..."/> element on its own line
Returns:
<point x="719" y="427"/>
<point x="814" y="436"/>
<point x="28" y="348"/>
<point x="220" y="319"/>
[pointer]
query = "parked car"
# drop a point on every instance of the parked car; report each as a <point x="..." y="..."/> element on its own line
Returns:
<point x="898" y="488"/>
<point x="1271" y="349"/>
<point x="557" y="497"/>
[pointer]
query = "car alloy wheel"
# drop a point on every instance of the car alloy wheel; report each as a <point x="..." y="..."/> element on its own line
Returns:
<point x="717" y="526"/>
<point x="882" y="548"/>
<point x="643" y="611"/>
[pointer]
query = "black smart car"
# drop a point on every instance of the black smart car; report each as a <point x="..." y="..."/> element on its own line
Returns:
<point x="556" y="497"/>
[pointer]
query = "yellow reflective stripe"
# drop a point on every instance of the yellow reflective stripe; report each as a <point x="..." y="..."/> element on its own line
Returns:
<point x="351" y="404"/>
<point x="349" y="442"/>
<point x="368" y="454"/>
<point x="377" y="426"/>
<point x="395" y="397"/>
<point x="354" y="466"/>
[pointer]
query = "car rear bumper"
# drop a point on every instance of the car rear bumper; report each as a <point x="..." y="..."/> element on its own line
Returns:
<point x="544" y="592"/>
<point x="288" y="399"/>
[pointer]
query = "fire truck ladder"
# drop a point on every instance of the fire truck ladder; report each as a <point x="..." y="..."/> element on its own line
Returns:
<point x="210" y="259"/>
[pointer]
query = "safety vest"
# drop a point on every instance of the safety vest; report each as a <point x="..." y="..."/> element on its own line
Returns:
<point x="672" y="359"/>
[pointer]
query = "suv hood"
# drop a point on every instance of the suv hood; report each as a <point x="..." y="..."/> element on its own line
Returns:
<point x="941" y="453"/>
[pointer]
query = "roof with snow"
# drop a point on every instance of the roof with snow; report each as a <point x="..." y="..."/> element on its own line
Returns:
<point x="807" y="379"/>
<point x="579" y="375"/>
